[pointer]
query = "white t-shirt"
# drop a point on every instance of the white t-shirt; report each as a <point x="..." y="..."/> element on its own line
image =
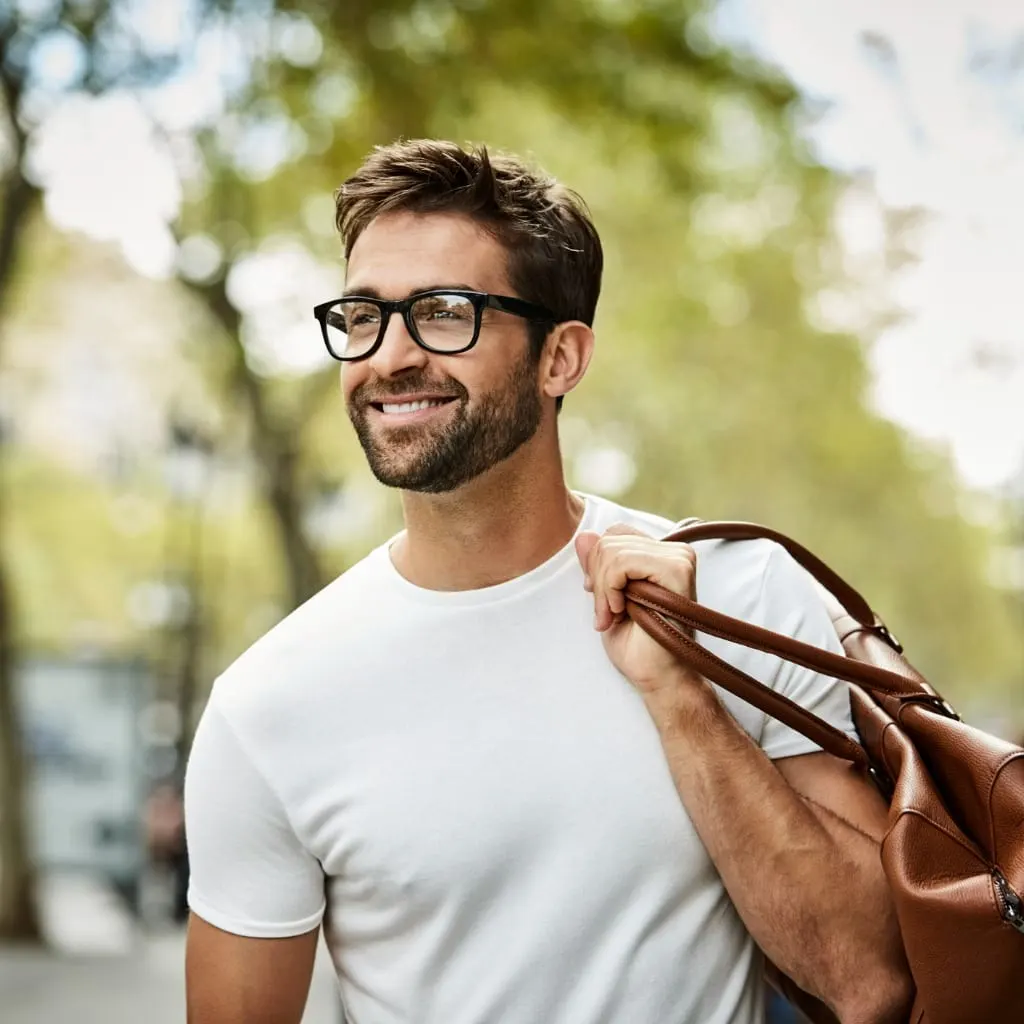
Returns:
<point x="479" y="800"/>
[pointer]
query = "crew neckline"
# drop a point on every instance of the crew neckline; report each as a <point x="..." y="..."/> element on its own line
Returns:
<point x="559" y="562"/>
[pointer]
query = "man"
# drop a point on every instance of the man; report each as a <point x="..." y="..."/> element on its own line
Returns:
<point x="500" y="799"/>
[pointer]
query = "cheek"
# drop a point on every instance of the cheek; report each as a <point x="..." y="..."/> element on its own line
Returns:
<point x="352" y="375"/>
<point x="481" y="371"/>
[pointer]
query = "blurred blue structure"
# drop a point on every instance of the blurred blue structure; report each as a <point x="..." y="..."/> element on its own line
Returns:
<point x="88" y="777"/>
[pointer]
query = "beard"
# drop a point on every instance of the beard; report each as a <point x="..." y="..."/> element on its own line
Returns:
<point x="434" y="460"/>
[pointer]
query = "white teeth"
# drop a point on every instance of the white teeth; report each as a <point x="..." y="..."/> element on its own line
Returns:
<point x="398" y="407"/>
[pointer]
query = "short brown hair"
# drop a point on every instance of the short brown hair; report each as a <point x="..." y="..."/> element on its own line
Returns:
<point x="554" y="252"/>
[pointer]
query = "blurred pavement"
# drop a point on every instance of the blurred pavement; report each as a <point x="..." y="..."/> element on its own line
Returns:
<point x="102" y="969"/>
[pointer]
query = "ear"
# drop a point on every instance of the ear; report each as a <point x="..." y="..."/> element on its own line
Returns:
<point x="566" y="356"/>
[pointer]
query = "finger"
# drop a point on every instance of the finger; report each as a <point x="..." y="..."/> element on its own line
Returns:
<point x="618" y="560"/>
<point x="606" y="579"/>
<point x="616" y="600"/>
<point x="624" y="553"/>
<point x="609" y="602"/>
<point x="585" y="543"/>
<point x="622" y="530"/>
<point x="603" y="617"/>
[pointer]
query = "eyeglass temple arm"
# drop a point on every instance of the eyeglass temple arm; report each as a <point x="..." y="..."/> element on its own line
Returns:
<point x="519" y="307"/>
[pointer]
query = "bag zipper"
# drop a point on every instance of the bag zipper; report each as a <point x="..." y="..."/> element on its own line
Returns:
<point x="1011" y="906"/>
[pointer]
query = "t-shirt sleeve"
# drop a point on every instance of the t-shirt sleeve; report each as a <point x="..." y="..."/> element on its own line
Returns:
<point x="793" y="606"/>
<point x="249" y="872"/>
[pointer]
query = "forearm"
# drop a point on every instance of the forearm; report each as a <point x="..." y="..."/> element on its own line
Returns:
<point x="813" y="903"/>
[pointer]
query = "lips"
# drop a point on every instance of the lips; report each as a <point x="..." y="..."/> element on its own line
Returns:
<point x="393" y="405"/>
<point x="400" y="405"/>
<point x="409" y="400"/>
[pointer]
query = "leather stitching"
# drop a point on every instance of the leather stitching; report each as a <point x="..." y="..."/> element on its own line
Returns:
<point x="958" y="839"/>
<point x="852" y="751"/>
<point x="853" y="671"/>
<point x="1008" y="759"/>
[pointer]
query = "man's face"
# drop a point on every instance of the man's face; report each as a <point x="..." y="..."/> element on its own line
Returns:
<point x="485" y="403"/>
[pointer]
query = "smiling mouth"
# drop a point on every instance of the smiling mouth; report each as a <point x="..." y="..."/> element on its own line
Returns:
<point x="404" y="408"/>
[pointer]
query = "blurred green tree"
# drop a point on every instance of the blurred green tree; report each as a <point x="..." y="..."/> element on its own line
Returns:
<point x="731" y="377"/>
<point x="634" y="63"/>
<point x="18" y="914"/>
<point x="100" y="48"/>
<point x="734" y="323"/>
<point x="332" y="81"/>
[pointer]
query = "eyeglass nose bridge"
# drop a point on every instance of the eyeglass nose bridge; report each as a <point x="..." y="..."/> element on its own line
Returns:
<point x="403" y="309"/>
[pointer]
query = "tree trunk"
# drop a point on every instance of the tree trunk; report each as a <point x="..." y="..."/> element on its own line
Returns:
<point x="305" y="574"/>
<point x="191" y="636"/>
<point x="19" y="916"/>
<point x="275" y="454"/>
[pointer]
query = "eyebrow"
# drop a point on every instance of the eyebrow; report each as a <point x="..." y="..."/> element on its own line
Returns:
<point x="373" y="293"/>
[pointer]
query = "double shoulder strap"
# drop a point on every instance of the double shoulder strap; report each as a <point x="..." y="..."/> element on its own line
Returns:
<point x="671" y="619"/>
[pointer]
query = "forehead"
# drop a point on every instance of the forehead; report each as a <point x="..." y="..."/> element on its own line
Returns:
<point x="399" y="253"/>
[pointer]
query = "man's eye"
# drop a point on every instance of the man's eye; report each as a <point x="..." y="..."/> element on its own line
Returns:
<point x="458" y="313"/>
<point x="362" y="318"/>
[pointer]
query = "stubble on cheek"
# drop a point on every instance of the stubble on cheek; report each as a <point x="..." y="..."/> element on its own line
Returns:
<point x="409" y="456"/>
<point x="471" y="439"/>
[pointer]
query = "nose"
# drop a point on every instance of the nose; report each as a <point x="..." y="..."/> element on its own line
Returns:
<point x="398" y="351"/>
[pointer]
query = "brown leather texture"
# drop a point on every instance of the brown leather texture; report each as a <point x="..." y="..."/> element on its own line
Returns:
<point x="954" y="849"/>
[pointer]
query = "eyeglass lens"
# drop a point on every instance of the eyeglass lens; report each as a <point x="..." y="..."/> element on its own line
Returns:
<point x="446" y="323"/>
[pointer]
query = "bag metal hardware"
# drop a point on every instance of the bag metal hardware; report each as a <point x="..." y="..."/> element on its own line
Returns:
<point x="881" y="781"/>
<point x="1010" y="904"/>
<point x="882" y="630"/>
<point x="934" y="701"/>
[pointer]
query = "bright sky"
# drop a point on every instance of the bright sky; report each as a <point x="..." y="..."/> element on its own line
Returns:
<point x="931" y="132"/>
<point x="936" y="134"/>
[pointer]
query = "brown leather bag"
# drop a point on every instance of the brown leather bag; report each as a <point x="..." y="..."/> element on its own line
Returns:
<point x="954" y="849"/>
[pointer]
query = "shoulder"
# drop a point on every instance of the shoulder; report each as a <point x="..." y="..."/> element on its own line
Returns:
<point x="734" y="576"/>
<point x="603" y="513"/>
<point x="757" y="581"/>
<point x="305" y="650"/>
<point x="754" y="580"/>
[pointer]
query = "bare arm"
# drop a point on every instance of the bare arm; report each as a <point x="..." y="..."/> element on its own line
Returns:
<point x="795" y="843"/>
<point x="251" y="873"/>
<point x="231" y="979"/>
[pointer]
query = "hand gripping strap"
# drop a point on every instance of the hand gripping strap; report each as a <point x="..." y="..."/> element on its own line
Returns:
<point x="697" y="616"/>
<point x="658" y="611"/>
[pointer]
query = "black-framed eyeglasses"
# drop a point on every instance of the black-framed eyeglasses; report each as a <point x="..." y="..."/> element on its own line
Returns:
<point x="442" y="320"/>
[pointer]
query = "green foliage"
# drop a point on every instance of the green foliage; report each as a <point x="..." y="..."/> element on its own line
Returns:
<point x="733" y="398"/>
<point x="735" y="406"/>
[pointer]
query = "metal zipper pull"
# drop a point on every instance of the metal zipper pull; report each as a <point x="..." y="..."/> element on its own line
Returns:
<point x="1011" y="905"/>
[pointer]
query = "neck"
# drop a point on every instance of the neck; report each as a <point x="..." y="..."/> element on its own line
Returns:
<point x="497" y="527"/>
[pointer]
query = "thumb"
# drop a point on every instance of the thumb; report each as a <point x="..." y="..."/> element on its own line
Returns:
<point x="585" y="542"/>
<point x="621" y="529"/>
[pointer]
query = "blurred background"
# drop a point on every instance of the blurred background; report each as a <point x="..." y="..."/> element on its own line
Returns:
<point x="812" y="314"/>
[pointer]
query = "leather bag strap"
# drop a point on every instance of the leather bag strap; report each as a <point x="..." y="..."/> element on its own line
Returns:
<point x="771" y="702"/>
<point x="690" y="530"/>
<point x="670" y="619"/>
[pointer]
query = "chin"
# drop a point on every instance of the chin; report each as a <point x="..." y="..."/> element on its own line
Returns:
<point x="402" y="475"/>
